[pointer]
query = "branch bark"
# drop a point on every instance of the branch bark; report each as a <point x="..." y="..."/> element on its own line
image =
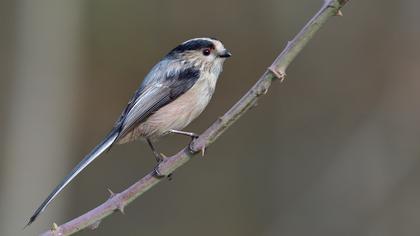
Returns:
<point x="277" y="70"/>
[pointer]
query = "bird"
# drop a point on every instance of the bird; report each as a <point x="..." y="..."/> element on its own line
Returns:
<point x="175" y="92"/>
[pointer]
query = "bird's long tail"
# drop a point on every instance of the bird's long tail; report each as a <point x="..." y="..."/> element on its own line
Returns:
<point x="98" y="150"/>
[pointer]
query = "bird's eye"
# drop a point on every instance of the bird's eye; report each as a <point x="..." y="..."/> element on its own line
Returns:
<point x="206" y="52"/>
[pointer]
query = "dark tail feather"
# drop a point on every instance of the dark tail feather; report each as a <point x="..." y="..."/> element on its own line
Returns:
<point x="98" y="150"/>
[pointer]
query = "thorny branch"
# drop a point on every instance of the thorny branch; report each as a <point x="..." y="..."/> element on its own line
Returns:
<point x="277" y="70"/>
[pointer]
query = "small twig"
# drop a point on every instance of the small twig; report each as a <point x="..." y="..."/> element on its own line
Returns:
<point x="277" y="70"/>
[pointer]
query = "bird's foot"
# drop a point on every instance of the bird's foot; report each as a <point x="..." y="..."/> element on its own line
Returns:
<point x="157" y="171"/>
<point x="159" y="174"/>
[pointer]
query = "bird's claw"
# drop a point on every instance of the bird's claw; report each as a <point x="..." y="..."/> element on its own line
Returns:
<point x="157" y="172"/>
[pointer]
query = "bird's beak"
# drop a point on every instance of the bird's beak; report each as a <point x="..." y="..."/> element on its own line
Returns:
<point x="225" y="54"/>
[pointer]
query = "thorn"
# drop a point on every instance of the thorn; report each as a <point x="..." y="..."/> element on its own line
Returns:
<point x="95" y="225"/>
<point x="111" y="193"/>
<point x="203" y="150"/>
<point x="339" y="13"/>
<point x="54" y="227"/>
<point x="265" y="91"/>
<point x="163" y="155"/>
<point x="121" y="208"/>
<point x="255" y="104"/>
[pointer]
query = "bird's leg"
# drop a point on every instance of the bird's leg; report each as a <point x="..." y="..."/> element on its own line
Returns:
<point x="189" y="134"/>
<point x="158" y="156"/>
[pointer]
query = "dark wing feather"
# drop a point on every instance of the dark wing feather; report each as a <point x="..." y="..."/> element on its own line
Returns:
<point x="155" y="94"/>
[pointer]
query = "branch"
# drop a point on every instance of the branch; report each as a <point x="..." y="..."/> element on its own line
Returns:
<point x="277" y="70"/>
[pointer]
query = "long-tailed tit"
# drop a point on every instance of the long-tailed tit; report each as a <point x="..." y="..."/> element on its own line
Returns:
<point x="174" y="93"/>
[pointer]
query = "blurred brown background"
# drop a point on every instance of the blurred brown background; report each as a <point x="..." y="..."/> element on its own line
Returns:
<point x="332" y="151"/>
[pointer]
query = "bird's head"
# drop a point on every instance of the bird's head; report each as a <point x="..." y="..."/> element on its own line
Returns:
<point x="201" y="51"/>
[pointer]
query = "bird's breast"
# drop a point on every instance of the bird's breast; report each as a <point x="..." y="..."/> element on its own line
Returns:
<point x="180" y="112"/>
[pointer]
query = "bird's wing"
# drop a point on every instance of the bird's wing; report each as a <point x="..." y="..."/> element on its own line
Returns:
<point x="155" y="94"/>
